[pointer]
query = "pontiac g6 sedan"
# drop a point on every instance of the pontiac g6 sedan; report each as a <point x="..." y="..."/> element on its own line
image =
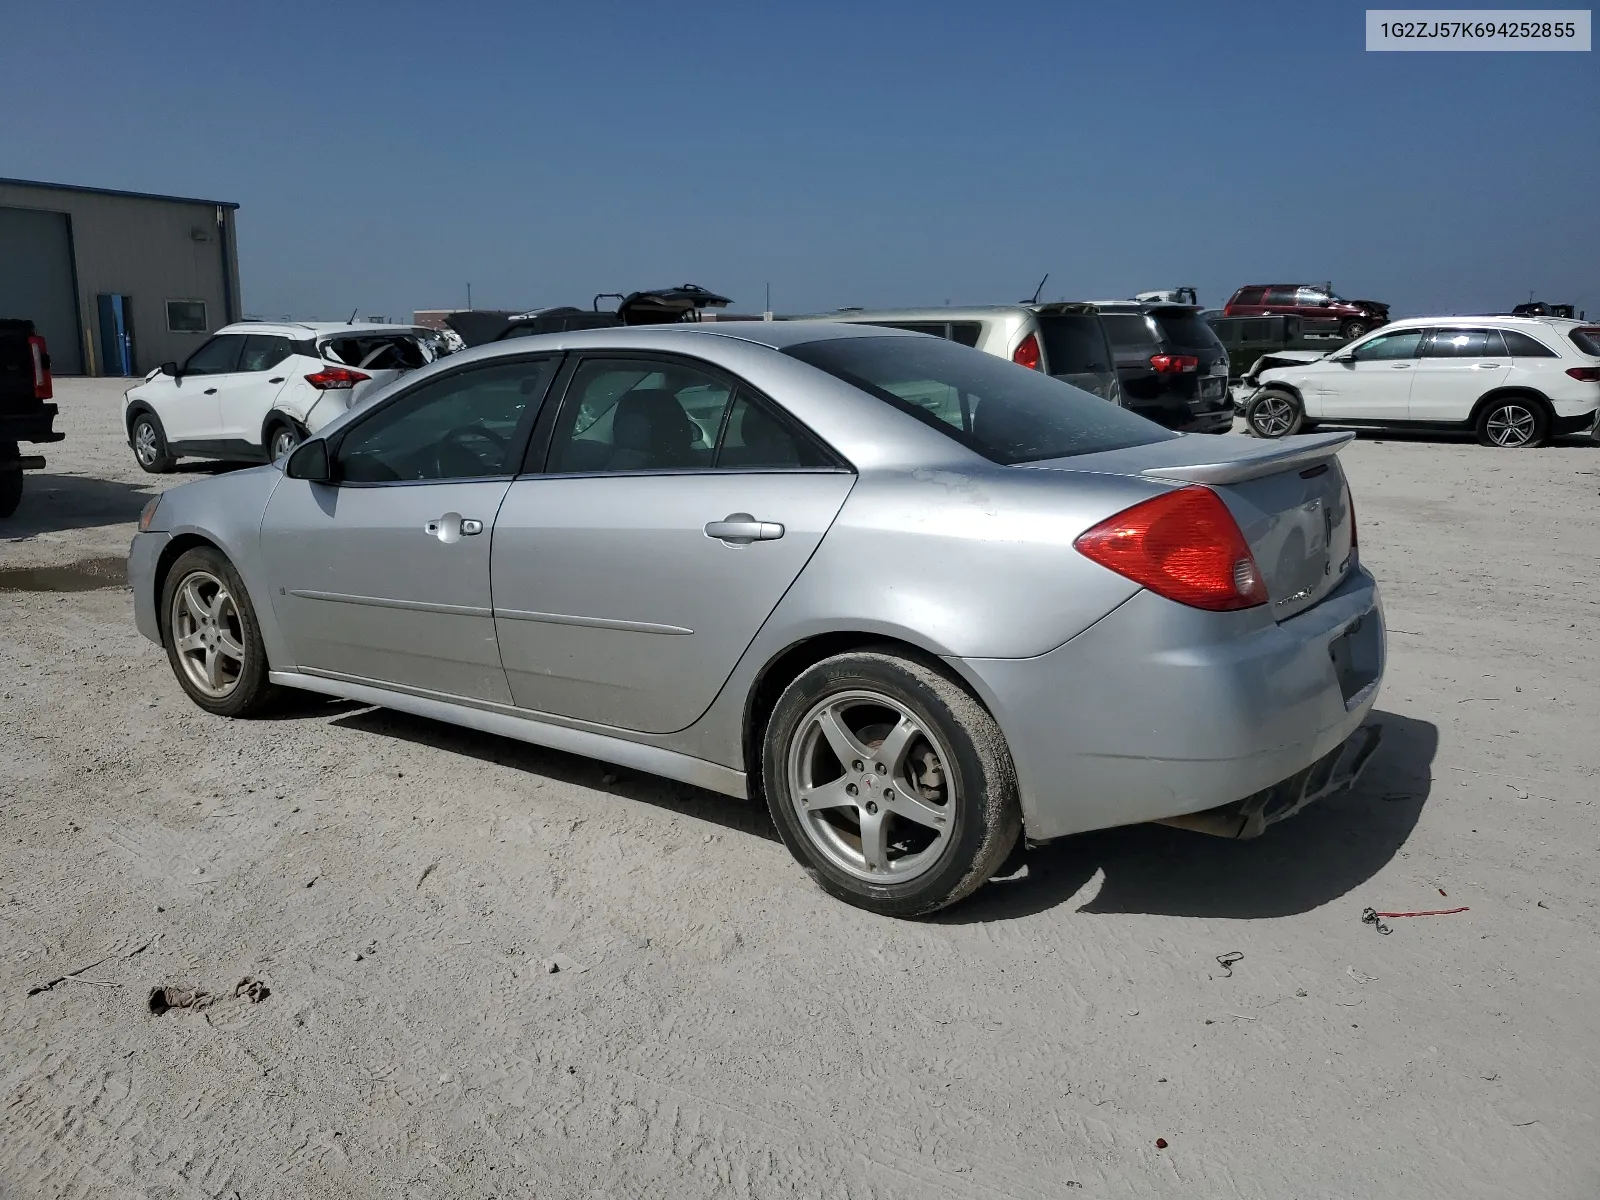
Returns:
<point x="922" y="601"/>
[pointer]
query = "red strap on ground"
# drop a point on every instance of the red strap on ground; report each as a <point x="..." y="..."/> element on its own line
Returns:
<point x="1436" y="912"/>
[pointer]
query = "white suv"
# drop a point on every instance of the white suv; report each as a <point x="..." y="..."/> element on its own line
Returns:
<point x="1514" y="381"/>
<point x="255" y="389"/>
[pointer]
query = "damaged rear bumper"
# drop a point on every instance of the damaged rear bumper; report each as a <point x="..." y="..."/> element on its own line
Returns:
<point x="1330" y="774"/>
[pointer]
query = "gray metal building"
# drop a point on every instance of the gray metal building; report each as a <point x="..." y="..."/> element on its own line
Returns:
<point x="117" y="282"/>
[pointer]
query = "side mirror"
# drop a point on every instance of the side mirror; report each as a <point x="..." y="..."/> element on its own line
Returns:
<point x="1342" y="358"/>
<point x="169" y="368"/>
<point x="310" y="461"/>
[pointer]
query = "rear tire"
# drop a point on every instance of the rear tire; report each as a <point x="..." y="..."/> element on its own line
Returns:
<point x="282" y="437"/>
<point x="889" y="783"/>
<point x="1274" y="413"/>
<point x="1513" y="423"/>
<point x="10" y="479"/>
<point x="150" y="444"/>
<point x="212" y="638"/>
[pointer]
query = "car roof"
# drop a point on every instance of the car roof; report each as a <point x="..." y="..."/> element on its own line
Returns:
<point x="943" y="312"/>
<point x="1486" y="319"/>
<point x="1123" y="307"/>
<point x="319" y="328"/>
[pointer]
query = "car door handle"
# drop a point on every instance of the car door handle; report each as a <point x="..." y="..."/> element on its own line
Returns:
<point x="1400" y="366"/>
<point x="740" y="529"/>
<point x="211" y="391"/>
<point x="1485" y="366"/>
<point x="276" y="379"/>
<point x="452" y="527"/>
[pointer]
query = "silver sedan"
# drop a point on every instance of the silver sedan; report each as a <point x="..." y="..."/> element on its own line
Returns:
<point x="922" y="601"/>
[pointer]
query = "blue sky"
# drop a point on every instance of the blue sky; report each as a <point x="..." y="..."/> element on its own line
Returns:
<point x="870" y="153"/>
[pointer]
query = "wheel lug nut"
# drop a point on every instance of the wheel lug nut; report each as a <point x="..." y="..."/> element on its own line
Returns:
<point x="872" y="807"/>
<point x="882" y="769"/>
<point x="850" y="789"/>
<point x="857" y="765"/>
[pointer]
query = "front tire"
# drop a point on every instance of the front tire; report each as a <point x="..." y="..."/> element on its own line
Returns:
<point x="1351" y="330"/>
<point x="889" y="783"/>
<point x="211" y="635"/>
<point x="1513" y="422"/>
<point x="1273" y="413"/>
<point x="150" y="444"/>
<point x="10" y="479"/>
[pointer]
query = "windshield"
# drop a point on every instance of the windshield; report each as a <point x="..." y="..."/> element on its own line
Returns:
<point x="1005" y="412"/>
<point x="1074" y="344"/>
<point x="1188" y="330"/>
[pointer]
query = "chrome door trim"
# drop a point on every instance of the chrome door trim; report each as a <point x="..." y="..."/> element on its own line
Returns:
<point x="450" y="610"/>
<point x="517" y="614"/>
<point x="522" y="725"/>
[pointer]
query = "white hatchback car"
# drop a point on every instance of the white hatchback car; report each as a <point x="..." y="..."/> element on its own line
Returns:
<point x="1514" y="381"/>
<point x="255" y="389"/>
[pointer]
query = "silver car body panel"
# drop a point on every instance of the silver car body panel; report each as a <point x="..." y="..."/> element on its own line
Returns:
<point x="1118" y="705"/>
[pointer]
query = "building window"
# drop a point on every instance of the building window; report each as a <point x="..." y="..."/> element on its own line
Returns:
<point x="186" y="316"/>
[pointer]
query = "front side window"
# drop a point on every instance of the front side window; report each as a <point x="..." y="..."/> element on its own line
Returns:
<point x="1400" y="344"/>
<point x="219" y="356"/>
<point x="461" y="426"/>
<point x="186" y="316"/>
<point x="1004" y="412"/>
<point x="263" y="352"/>
<point x="1284" y="296"/>
<point x="1463" y="343"/>
<point x="1308" y="297"/>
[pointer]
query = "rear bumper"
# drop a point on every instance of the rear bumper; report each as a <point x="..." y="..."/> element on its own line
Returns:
<point x="143" y="557"/>
<point x="1159" y="710"/>
<point x="32" y="426"/>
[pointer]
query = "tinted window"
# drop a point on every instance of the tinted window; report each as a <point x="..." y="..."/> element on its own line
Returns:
<point x="1261" y="330"/>
<point x="1401" y="344"/>
<point x="186" y="316"/>
<point x="1460" y="343"/>
<point x="1587" y="340"/>
<point x="1005" y="412"/>
<point x="219" y="356"/>
<point x="262" y="353"/>
<point x="1250" y="295"/>
<point x="462" y="426"/>
<point x="1281" y="295"/>
<point x="1074" y="345"/>
<point x="755" y="438"/>
<point x="638" y="415"/>
<point x="965" y="333"/>
<point x="1128" y="329"/>
<point x="1187" y="330"/>
<point x="1307" y="297"/>
<point x="1523" y="346"/>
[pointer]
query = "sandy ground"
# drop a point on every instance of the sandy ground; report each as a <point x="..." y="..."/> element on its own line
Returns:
<point x="718" y="1026"/>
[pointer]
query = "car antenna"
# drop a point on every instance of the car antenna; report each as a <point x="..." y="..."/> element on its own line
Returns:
<point x="1040" y="288"/>
<point x="353" y="313"/>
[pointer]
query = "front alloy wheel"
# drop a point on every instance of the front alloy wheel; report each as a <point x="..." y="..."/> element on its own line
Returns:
<point x="1274" y="414"/>
<point x="213" y="642"/>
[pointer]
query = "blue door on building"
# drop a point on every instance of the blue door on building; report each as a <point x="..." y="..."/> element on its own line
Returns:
<point x="116" y="336"/>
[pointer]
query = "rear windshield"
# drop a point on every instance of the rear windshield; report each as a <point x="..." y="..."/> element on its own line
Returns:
<point x="376" y="351"/>
<point x="1074" y="345"/>
<point x="1005" y="412"/>
<point x="1128" y="329"/>
<point x="1188" y="330"/>
<point x="1587" y="340"/>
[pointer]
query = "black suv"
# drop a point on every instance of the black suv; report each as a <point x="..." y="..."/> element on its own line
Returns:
<point x="1171" y="366"/>
<point x="662" y="306"/>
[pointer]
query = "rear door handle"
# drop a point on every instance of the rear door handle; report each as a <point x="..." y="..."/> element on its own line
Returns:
<point x="276" y="379"/>
<point x="452" y="527"/>
<point x="1401" y="366"/>
<point x="211" y="391"/>
<point x="740" y="529"/>
<point x="1486" y="366"/>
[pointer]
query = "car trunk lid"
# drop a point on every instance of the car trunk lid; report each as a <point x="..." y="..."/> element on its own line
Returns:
<point x="1289" y="497"/>
<point x="383" y="356"/>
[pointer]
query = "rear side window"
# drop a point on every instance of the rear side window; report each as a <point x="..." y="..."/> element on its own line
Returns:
<point x="1520" y="345"/>
<point x="1004" y="412"/>
<point x="376" y="352"/>
<point x="1128" y="329"/>
<point x="1463" y="343"/>
<point x="1074" y="344"/>
<point x="1586" y="339"/>
<point x="1187" y="330"/>
<point x="965" y="333"/>
<point x="1250" y="295"/>
<point x="1281" y="295"/>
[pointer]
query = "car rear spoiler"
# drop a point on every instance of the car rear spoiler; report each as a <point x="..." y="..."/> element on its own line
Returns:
<point x="1255" y="461"/>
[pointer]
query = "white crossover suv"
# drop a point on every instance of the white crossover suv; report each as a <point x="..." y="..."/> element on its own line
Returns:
<point x="255" y="389"/>
<point x="1514" y="381"/>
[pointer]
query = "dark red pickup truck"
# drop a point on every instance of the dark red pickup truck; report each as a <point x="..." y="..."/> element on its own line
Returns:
<point x="25" y="386"/>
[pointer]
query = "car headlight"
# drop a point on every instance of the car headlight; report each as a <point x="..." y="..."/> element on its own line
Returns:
<point x="149" y="514"/>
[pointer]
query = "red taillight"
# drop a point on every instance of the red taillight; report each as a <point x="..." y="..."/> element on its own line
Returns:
<point x="43" y="385"/>
<point x="1585" y="374"/>
<point x="1173" y="364"/>
<point x="333" y="379"/>
<point x="1027" y="354"/>
<point x="1184" y="545"/>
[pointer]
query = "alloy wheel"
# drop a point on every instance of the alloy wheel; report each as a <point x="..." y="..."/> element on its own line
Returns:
<point x="144" y="443"/>
<point x="1511" y="425"/>
<point x="209" y="636"/>
<point x="283" y="441"/>
<point x="871" y="787"/>
<point x="1273" y="416"/>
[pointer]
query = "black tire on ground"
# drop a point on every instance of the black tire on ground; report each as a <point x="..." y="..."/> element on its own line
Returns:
<point x="282" y="437"/>
<point x="150" y="444"/>
<point x="245" y="690"/>
<point x="1513" y="422"/>
<point x="984" y="813"/>
<point x="1351" y="330"/>
<point x="1274" y="413"/>
<point x="10" y="479"/>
